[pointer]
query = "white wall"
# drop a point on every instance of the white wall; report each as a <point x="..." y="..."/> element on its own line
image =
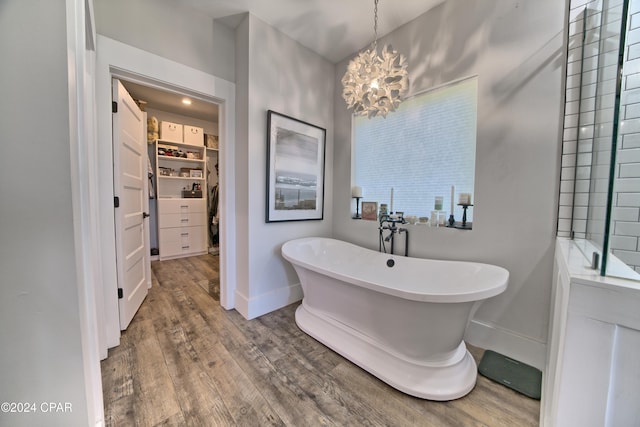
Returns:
<point x="517" y="50"/>
<point x="171" y="30"/>
<point x="274" y="73"/>
<point x="41" y="357"/>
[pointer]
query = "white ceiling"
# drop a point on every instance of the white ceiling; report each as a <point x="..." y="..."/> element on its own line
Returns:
<point x="172" y="102"/>
<point x="334" y="29"/>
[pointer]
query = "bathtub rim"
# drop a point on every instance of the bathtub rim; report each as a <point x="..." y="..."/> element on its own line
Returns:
<point x="478" y="295"/>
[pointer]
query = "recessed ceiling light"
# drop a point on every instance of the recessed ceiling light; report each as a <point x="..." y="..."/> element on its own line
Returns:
<point x="186" y="101"/>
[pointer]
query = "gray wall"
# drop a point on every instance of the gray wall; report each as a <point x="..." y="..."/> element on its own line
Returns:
<point x="41" y="356"/>
<point x="171" y="30"/>
<point x="517" y="50"/>
<point x="277" y="73"/>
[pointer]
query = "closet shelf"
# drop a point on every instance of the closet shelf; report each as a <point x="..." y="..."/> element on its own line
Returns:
<point x="187" y="178"/>
<point x="180" y="159"/>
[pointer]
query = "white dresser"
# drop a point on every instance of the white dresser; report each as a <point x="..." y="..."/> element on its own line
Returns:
<point x="182" y="227"/>
<point x="182" y="220"/>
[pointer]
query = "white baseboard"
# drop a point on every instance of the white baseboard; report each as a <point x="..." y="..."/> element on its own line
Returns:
<point x="267" y="302"/>
<point x="503" y="341"/>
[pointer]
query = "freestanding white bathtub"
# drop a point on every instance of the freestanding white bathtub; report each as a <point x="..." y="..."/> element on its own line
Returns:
<point x="402" y="319"/>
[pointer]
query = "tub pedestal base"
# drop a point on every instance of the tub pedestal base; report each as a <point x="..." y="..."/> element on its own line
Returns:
<point x="442" y="380"/>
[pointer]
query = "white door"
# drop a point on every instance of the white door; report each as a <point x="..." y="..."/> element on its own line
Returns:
<point x="130" y="189"/>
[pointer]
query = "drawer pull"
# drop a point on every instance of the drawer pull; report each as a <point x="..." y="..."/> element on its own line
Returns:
<point x="184" y="220"/>
<point x="184" y="234"/>
<point x="185" y="247"/>
<point x="184" y="206"/>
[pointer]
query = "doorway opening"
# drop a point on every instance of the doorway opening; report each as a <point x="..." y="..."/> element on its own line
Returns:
<point x="183" y="186"/>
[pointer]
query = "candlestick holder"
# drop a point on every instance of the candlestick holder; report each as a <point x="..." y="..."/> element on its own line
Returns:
<point x="357" y="216"/>
<point x="464" y="225"/>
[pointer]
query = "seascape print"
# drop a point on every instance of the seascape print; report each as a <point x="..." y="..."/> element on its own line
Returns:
<point x="296" y="166"/>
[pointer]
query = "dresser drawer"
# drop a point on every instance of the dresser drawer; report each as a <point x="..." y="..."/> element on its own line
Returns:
<point x="170" y="220"/>
<point x="183" y="206"/>
<point x="182" y="241"/>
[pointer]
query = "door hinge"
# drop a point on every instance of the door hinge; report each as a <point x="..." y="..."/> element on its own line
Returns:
<point x="114" y="107"/>
<point x="116" y="202"/>
<point x="120" y="293"/>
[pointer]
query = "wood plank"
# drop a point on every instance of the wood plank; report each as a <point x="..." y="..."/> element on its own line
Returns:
<point x="241" y="397"/>
<point x="200" y="402"/>
<point x="208" y="366"/>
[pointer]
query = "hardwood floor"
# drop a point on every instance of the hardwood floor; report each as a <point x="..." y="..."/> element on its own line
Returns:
<point x="185" y="361"/>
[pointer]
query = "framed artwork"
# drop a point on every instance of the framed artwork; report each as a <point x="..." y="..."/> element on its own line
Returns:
<point x="295" y="169"/>
<point x="370" y="210"/>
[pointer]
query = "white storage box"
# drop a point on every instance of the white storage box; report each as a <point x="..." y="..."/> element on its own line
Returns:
<point x="193" y="135"/>
<point x="170" y="131"/>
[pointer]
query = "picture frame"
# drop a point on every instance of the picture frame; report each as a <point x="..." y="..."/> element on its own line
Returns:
<point x="295" y="169"/>
<point x="370" y="211"/>
<point x="195" y="173"/>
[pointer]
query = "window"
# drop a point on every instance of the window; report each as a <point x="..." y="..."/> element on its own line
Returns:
<point x="420" y="151"/>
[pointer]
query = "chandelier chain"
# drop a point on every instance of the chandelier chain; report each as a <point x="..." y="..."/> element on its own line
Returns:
<point x="375" y="24"/>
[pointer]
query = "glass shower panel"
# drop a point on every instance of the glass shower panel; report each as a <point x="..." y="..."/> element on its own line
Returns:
<point x="601" y="146"/>
<point x="622" y="242"/>
<point x="600" y="45"/>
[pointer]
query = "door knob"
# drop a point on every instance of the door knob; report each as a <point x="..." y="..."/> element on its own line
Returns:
<point x="145" y="215"/>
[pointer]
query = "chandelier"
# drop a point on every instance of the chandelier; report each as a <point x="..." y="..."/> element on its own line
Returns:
<point x="375" y="84"/>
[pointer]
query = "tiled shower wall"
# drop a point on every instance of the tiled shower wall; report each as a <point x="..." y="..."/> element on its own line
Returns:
<point x="594" y="29"/>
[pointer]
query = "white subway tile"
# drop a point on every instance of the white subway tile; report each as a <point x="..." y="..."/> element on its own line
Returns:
<point x="572" y="108"/>
<point x="582" y="186"/>
<point x="629" y="170"/>
<point x="631" y="155"/>
<point x="568" y="159"/>
<point x="631" y="140"/>
<point x="583" y="172"/>
<point x="571" y="121"/>
<point x="569" y="146"/>
<point x="566" y="187"/>
<point x="580" y="212"/>
<point x="565" y="199"/>
<point x="570" y="134"/>
<point x="580" y="226"/>
<point x="627" y="185"/>
<point x="628" y="257"/>
<point x="581" y="199"/>
<point x="629" y="199"/>
<point x="632" y="81"/>
<point x="573" y="79"/>
<point x="629" y="126"/>
<point x="567" y="173"/>
<point x="628" y="243"/>
<point x="584" y="159"/>
<point x="633" y="37"/>
<point x="564" y="212"/>
<point x="625" y="214"/>
<point x="631" y="111"/>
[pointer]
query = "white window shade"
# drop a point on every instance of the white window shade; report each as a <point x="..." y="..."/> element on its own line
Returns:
<point x="420" y="150"/>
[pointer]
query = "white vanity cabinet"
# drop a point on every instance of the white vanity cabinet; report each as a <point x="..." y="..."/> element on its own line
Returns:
<point x="182" y="213"/>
